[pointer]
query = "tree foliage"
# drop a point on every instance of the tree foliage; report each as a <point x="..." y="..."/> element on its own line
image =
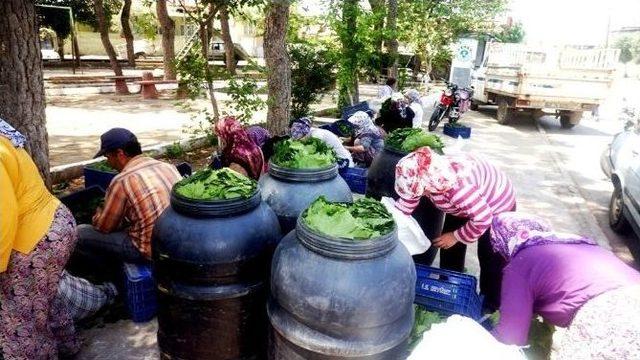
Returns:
<point x="83" y="11"/>
<point x="429" y="27"/>
<point x="311" y="75"/>
<point x="629" y="48"/>
<point x="511" y="34"/>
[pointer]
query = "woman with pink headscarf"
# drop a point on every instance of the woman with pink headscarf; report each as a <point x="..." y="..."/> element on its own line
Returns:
<point x="239" y="152"/>
<point x="471" y="191"/>
<point x="569" y="281"/>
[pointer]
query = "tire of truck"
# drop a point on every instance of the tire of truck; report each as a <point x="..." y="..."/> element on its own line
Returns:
<point x="504" y="114"/>
<point x="569" y="119"/>
<point x="474" y="106"/>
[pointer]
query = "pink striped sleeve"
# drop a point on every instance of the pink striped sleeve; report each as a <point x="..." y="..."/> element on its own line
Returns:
<point x="473" y="206"/>
<point x="407" y="206"/>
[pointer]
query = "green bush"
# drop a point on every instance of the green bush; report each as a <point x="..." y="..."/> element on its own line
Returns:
<point x="311" y="75"/>
<point x="174" y="150"/>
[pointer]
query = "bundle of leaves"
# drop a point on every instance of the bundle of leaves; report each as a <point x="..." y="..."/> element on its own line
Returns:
<point x="364" y="219"/>
<point x="424" y="319"/>
<point x="410" y="139"/>
<point x="102" y="166"/>
<point x="220" y="184"/>
<point x="308" y="153"/>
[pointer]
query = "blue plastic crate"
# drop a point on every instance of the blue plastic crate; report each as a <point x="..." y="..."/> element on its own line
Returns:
<point x="457" y="131"/>
<point x="447" y="292"/>
<point x="94" y="177"/>
<point x="140" y="292"/>
<point x="356" y="178"/>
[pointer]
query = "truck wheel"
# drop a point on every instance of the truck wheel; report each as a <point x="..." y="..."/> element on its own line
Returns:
<point x="617" y="221"/>
<point x="474" y="106"/>
<point x="504" y="112"/>
<point x="569" y="119"/>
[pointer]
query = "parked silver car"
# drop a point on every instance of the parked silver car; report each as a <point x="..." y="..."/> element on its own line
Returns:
<point x="621" y="163"/>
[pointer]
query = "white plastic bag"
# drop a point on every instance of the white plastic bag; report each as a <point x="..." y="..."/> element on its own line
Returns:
<point x="410" y="233"/>
<point x="444" y="341"/>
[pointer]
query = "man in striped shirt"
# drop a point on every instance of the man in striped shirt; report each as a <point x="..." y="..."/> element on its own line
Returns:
<point x="471" y="192"/>
<point x="136" y="197"/>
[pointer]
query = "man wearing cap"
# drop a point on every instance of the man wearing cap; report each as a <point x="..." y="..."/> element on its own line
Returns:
<point x="136" y="197"/>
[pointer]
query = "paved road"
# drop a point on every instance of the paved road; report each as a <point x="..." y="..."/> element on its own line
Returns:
<point x="577" y="153"/>
<point x="580" y="149"/>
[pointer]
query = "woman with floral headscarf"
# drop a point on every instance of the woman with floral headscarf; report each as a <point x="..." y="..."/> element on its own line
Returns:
<point x="239" y="152"/>
<point x="37" y="235"/>
<point x="301" y="128"/>
<point x="569" y="281"/>
<point x="471" y="191"/>
<point x="368" y="141"/>
<point x="413" y="97"/>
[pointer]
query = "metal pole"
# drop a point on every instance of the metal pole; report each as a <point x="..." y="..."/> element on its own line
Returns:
<point x="73" y="33"/>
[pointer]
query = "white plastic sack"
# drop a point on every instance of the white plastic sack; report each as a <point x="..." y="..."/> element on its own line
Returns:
<point x="410" y="233"/>
<point x="461" y="338"/>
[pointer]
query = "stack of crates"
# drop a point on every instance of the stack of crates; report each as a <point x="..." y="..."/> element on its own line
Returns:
<point x="447" y="292"/>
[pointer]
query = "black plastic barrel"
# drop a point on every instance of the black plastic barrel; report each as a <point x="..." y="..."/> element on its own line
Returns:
<point x="381" y="182"/>
<point x="336" y="298"/>
<point x="290" y="191"/>
<point x="211" y="264"/>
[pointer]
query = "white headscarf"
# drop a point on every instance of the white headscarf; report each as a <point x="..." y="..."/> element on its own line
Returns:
<point x="8" y="131"/>
<point x="362" y="122"/>
<point x="412" y="94"/>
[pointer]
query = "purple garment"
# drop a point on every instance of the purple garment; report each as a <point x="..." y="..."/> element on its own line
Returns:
<point x="554" y="281"/>
<point x="258" y="135"/>
<point x="514" y="231"/>
<point x="300" y="128"/>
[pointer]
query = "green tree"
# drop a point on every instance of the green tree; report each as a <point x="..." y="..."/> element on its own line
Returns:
<point x="429" y="27"/>
<point x="629" y="50"/>
<point x="311" y="75"/>
<point x="511" y="34"/>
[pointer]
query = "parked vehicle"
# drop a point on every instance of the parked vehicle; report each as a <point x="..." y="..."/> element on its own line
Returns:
<point x="564" y="81"/>
<point x="621" y="163"/>
<point x="453" y="103"/>
<point x="141" y="49"/>
<point x="217" y="52"/>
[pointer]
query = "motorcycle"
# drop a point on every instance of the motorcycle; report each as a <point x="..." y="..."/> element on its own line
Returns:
<point x="454" y="102"/>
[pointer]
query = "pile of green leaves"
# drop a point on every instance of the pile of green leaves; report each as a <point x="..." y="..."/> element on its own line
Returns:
<point x="423" y="321"/>
<point x="410" y="139"/>
<point x="309" y="153"/>
<point x="220" y="184"/>
<point x="83" y="211"/>
<point x="102" y="166"/>
<point x="364" y="219"/>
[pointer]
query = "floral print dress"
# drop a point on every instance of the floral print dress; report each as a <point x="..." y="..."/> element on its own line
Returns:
<point x="34" y="323"/>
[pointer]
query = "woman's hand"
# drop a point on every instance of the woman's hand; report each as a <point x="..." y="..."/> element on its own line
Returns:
<point x="238" y="168"/>
<point x="445" y="241"/>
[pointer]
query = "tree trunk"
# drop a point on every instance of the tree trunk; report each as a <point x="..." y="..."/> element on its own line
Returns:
<point x="392" y="42"/>
<point x="22" y="99"/>
<point x="204" y="39"/>
<point x="168" y="35"/>
<point x="60" y="41"/>
<point x="76" y="49"/>
<point x="229" y="48"/>
<point x="126" y="31"/>
<point x="377" y="7"/>
<point x="277" y="60"/>
<point x="350" y="48"/>
<point x="103" y="27"/>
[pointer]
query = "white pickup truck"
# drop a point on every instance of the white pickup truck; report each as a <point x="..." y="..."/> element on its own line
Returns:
<point x="563" y="81"/>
